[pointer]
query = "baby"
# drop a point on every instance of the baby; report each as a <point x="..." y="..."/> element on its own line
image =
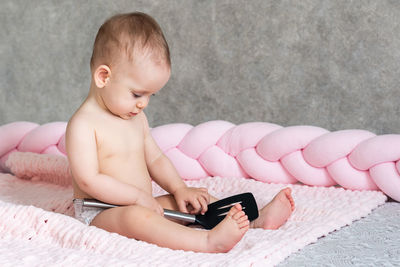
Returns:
<point x="113" y="157"/>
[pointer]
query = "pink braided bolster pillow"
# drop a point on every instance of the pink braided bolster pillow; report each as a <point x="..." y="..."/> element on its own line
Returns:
<point x="354" y="159"/>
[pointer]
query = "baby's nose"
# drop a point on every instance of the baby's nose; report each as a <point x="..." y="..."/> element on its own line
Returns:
<point x="142" y="103"/>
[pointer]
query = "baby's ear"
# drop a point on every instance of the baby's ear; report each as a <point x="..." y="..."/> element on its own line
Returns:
<point x="101" y="75"/>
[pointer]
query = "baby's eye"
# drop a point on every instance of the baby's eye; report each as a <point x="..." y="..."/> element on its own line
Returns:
<point x="136" y="95"/>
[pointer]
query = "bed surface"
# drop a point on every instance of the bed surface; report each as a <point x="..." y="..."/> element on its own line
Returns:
<point x="370" y="241"/>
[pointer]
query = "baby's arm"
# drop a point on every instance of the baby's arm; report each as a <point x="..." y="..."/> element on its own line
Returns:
<point x="82" y="155"/>
<point x="165" y="174"/>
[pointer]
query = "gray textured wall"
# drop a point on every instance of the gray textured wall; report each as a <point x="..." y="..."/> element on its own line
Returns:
<point x="333" y="64"/>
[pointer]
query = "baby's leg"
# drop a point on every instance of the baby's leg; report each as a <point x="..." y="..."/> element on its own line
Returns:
<point x="143" y="224"/>
<point x="272" y="216"/>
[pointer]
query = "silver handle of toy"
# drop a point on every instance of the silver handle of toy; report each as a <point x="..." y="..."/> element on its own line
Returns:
<point x="172" y="214"/>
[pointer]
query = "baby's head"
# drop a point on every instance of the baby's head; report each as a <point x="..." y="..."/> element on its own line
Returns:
<point x="129" y="36"/>
<point x="130" y="63"/>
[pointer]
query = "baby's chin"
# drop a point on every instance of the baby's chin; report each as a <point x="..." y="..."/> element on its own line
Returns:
<point x="128" y="116"/>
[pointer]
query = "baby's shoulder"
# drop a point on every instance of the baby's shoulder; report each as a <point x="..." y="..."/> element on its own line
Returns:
<point x="77" y="127"/>
<point x="82" y="120"/>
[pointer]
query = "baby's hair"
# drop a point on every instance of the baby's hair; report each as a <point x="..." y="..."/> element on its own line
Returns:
<point x="126" y="35"/>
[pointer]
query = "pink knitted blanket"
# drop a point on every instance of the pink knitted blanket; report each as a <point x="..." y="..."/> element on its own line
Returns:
<point x="36" y="227"/>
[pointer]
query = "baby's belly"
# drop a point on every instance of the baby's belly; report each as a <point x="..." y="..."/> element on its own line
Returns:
<point x="130" y="171"/>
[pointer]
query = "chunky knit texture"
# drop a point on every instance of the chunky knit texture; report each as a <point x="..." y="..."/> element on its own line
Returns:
<point x="36" y="227"/>
<point x="354" y="159"/>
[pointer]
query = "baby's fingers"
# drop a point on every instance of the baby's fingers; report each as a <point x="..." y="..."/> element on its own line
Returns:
<point x="207" y="197"/>
<point x="203" y="189"/>
<point x="196" y="206"/>
<point x="182" y="206"/>
<point x="204" y="204"/>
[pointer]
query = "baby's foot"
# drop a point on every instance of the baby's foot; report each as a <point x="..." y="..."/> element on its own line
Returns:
<point x="229" y="231"/>
<point x="276" y="212"/>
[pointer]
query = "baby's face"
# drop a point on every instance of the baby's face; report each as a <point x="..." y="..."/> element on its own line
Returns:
<point x="131" y="85"/>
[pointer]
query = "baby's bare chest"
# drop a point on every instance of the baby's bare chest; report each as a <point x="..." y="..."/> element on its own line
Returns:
<point x="121" y="153"/>
<point x="120" y="140"/>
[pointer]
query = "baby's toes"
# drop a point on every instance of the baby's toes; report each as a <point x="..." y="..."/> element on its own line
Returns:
<point x="238" y="215"/>
<point x="244" y="224"/>
<point x="242" y="219"/>
<point x="288" y="191"/>
<point x="234" y="210"/>
<point x="292" y="205"/>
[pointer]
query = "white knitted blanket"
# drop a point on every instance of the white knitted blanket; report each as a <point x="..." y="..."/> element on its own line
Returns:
<point x="36" y="227"/>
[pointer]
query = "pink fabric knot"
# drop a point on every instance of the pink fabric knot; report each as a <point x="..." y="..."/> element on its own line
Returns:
<point x="354" y="159"/>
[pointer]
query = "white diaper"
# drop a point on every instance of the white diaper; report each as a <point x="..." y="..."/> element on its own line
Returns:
<point x="85" y="214"/>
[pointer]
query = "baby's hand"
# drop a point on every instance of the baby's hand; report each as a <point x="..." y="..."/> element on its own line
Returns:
<point x="151" y="203"/>
<point x="197" y="198"/>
